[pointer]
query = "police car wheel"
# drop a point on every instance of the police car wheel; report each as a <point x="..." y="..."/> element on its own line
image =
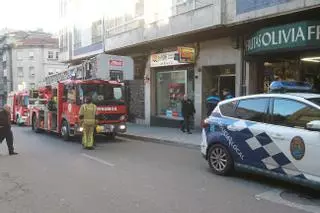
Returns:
<point x="220" y="160"/>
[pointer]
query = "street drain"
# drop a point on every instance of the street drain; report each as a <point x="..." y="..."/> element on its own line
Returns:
<point x="303" y="198"/>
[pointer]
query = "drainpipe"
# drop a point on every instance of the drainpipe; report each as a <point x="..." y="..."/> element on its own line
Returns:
<point x="243" y="68"/>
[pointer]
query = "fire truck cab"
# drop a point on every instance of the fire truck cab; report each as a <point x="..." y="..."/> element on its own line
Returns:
<point x="66" y="92"/>
<point x="19" y="104"/>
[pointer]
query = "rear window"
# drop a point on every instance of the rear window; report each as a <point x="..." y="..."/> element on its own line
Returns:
<point x="315" y="100"/>
<point x="228" y="109"/>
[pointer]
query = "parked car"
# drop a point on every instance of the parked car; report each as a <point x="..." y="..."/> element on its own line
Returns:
<point x="274" y="134"/>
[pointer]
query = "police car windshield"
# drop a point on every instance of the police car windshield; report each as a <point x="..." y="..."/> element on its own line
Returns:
<point x="102" y="94"/>
<point x="315" y="100"/>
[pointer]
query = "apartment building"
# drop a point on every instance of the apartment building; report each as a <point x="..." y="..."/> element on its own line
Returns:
<point x="26" y="58"/>
<point x="192" y="46"/>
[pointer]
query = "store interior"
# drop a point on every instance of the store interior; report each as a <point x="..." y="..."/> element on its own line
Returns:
<point x="303" y="66"/>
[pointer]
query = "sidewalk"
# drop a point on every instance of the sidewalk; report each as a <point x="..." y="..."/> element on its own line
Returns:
<point x="163" y="135"/>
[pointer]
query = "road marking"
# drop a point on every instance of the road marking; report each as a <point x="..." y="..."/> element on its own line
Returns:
<point x="275" y="197"/>
<point x="98" y="160"/>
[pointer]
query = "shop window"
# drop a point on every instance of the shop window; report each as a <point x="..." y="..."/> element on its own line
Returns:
<point x="293" y="114"/>
<point x="252" y="109"/>
<point x="171" y="87"/>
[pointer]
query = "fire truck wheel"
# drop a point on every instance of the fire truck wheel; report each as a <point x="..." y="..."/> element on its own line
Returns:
<point x="112" y="136"/>
<point x="17" y="120"/>
<point x="65" y="131"/>
<point x="34" y="124"/>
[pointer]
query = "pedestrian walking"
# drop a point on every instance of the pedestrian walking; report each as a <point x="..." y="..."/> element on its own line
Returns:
<point x="212" y="101"/>
<point x="5" y="128"/>
<point x="188" y="111"/>
<point x="226" y="94"/>
<point x="87" y="117"/>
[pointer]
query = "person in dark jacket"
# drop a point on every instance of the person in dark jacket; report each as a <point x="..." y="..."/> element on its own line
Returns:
<point x="5" y="129"/>
<point x="188" y="111"/>
<point x="212" y="101"/>
<point x="226" y="94"/>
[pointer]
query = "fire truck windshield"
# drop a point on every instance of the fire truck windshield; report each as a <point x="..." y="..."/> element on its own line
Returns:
<point x="102" y="94"/>
<point x="24" y="101"/>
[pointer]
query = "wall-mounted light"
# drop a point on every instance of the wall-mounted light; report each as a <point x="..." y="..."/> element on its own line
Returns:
<point x="312" y="59"/>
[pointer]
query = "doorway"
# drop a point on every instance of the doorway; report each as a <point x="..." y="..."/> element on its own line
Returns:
<point x="219" y="78"/>
<point x="227" y="82"/>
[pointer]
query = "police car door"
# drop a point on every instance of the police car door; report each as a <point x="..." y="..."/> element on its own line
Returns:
<point x="297" y="148"/>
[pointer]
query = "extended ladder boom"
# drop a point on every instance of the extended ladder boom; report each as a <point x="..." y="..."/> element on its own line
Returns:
<point x="72" y="72"/>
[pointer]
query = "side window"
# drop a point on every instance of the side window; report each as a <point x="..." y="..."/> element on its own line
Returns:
<point x="72" y="94"/>
<point x="252" y="109"/>
<point x="293" y="113"/>
<point x="228" y="109"/>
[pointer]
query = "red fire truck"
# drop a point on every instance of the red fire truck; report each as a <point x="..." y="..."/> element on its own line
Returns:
<point x="65" y="93"/>
<point x="19" y="103"/>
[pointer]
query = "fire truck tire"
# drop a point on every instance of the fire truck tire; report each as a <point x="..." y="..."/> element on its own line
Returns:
<point x="34" y="124"/>
<point x="112" y="136"/>
<point x="65" y="131"/>
<point x="17" y="120"/>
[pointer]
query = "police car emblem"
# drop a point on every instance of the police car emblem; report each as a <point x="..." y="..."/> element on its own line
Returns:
<point x="297" y="148"/>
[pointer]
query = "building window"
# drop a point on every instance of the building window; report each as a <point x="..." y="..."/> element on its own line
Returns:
<point x="31" y="55"/>
<point x="32" y="86"/>
<point x="19" y="55"/>
<point x="57" y="55"/>
<point x="171" y="87"/>
<point x="20" y="71"/>
<point x="50" y="71"/>
<point x="32" y="72"/>
<point x="50" y="54"/>
<point x="96" y="31"/>
<point x="77" y="38"/>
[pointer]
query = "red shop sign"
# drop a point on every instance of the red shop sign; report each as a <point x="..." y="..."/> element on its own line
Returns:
<point x="116" y="63"/>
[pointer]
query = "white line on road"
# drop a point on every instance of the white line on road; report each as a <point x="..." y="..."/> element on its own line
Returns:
<point x="98" y="160"/>
<point x="275" y="197"/>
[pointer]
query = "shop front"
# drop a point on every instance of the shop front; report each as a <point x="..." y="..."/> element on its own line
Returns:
<point x="288" y="52"/>
<point x="172" y="78"/>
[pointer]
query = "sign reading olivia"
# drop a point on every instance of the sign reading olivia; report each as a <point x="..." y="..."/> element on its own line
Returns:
<point x="296" y="35"/>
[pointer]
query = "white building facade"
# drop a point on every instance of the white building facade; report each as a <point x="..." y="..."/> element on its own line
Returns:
<point x="31" y="64"/>
<point x="190" y="46"/>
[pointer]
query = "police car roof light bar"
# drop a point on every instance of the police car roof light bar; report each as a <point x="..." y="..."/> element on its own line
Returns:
<point x="289" y="86"/>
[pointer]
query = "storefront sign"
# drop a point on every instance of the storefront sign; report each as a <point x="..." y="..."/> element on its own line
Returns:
<point x="304" y="34"/>
<point x="165" y="59"/>
<point x="116" y="63"/>
<point x="186" y="54"/>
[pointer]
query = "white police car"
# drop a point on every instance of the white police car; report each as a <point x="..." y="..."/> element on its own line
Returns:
<point x="274" y="134"/>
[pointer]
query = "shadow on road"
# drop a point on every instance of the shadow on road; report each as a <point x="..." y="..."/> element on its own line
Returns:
<point x="100" y="139"/>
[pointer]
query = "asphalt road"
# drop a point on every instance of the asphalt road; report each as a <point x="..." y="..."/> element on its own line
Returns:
<point x="53" y="176"/>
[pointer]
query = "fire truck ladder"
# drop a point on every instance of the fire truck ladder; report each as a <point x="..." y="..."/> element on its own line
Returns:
<point x="75" y="72"/>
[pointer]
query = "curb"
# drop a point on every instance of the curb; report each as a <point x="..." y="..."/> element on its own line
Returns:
<point x="158" y="140"/>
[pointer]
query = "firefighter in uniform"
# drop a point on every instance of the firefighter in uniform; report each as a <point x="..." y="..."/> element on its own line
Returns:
<point x="87" y="117"/>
